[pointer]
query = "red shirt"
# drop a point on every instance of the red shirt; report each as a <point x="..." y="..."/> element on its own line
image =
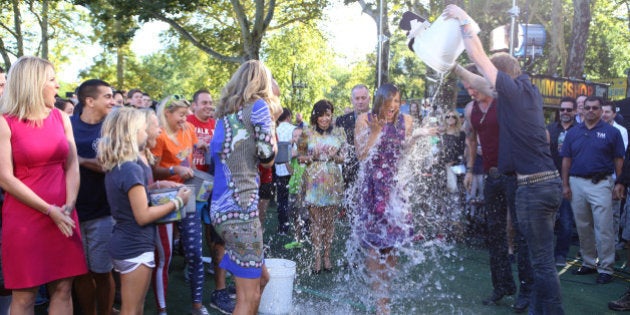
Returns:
<point x="266" y="175"/>
<point x="204" y="131"/>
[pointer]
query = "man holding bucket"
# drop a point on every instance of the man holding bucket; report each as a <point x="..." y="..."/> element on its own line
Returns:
<point x="523" y="148"/>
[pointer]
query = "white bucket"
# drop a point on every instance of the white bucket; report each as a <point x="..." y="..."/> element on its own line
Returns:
<point x="277" y="298"/>
<point x="441" y="44"/>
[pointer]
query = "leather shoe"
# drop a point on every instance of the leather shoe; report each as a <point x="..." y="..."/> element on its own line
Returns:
<point x="584" y="271"/>
<point x="521" y="304"/>
<point x="604" y="278"/>
<point x="494" y="298"/>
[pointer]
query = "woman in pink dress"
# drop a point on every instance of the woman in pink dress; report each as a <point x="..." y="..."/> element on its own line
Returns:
<point x="39" y="172"/>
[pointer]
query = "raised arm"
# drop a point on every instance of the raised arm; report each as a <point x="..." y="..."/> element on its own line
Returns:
<point x="473" y="45"/>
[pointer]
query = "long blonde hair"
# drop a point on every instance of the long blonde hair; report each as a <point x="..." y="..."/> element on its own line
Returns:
<point x="148" y="114"/>
<point x="24" y="91"/>
<point x="119" y="137"/>
<point x="252" y="81"/>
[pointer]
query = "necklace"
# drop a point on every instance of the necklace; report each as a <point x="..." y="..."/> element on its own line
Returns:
<point x="485" y="112"/>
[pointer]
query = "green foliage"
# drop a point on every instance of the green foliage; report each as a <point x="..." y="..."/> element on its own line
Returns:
<point x="299" y="59"/>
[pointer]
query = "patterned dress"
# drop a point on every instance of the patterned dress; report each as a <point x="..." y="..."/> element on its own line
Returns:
<point x="241" y="141"/>
<point x="384" y="216"/>
<point x="323" y="182"/>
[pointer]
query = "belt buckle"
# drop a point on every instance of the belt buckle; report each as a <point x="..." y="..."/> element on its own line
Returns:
<point x="493" y="172"/>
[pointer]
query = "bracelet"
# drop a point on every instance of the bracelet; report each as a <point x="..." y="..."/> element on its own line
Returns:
<point x="171" y="170"/>
<point x="49" y="209"/>
<point x="174" y="201"/>
<point x="181" y="202"/>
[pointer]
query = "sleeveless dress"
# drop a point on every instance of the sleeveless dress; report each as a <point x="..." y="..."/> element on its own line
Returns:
<point x="384" y="217"/>
<point x="34" y="251"/>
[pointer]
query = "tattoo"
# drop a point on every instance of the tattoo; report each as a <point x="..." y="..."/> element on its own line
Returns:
<point x="466" y="33"/>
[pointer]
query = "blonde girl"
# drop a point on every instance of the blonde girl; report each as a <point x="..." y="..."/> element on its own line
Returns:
<point x="123" y="137"/>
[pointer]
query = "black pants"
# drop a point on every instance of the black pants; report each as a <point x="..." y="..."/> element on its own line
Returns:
<point x="282" y="197"/>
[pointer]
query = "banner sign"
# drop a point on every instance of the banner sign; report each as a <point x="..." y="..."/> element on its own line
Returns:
<point x="553" y="89"/>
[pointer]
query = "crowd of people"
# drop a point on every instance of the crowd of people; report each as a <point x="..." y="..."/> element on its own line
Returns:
<point x="88" y="191"/>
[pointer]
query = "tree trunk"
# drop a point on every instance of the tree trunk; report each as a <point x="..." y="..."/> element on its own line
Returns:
<point x="577" y="51"/>
<point x="120" y="66"/>
<point x="17" y="21"/>
<point x="44" y="27"/>
<point x="5" y="55"/>
<point x="557" y="51"/>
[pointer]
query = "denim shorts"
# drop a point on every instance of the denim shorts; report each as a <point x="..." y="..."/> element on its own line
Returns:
<point x="125" y="266"/>
<point x="96" y="234"/>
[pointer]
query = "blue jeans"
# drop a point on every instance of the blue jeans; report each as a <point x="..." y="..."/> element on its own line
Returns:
<point x="536" y="207"/>
<point x="564" y="228"/>
<point x="499" y="195"/>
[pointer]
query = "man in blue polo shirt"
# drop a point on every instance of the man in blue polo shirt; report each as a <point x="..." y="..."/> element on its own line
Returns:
<point x="591" y="152"/>
<point x="524" y="150"/>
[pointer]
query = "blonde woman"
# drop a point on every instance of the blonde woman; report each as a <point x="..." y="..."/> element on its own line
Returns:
<point x="39" y="171"/>
<point x="123" y="138"/>
<point x="243" y="138"/>
<point x="173" y="153"/>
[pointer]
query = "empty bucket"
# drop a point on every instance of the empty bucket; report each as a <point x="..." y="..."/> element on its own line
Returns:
<point x="440" y="45"/>
<point x="277" y="298"/>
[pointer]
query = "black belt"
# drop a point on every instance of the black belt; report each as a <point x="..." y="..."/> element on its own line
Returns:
<point x="594" y="177"/>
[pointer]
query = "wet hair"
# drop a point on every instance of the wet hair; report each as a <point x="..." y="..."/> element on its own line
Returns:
<point x="568" y="99"/>
<point x="319" y="109"/>
<point x="24" y="92"/>
<point x="506" y="63"/>
<point x="250" y="82"/>
<point x="89" y="88"/>
<point x="286" y="113"/>
<point x="198" y="92"/>
<point x="384" y="95"/>
<point x="119" y="137"/>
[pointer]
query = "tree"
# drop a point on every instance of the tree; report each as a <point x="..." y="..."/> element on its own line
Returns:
<point x="213" y="25"/>
<point x="299" y="59"/>
<point x="577" y="50"/>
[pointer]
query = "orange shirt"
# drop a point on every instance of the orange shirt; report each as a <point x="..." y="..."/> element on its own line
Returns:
<point x="171" y="153"/>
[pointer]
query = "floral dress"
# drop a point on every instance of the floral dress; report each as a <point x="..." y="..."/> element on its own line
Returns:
<point x="323" y="182"/>
<point x="384" y="217"/>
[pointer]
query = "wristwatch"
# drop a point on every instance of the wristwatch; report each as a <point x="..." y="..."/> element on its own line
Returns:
<point x="171" y="170"/>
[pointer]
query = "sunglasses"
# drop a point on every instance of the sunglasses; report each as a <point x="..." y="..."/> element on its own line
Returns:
<point x="568" y="110"/>
<point x="450" y="116"/>
<point x="170" y="101"/>
<point x="594" y="108"/>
